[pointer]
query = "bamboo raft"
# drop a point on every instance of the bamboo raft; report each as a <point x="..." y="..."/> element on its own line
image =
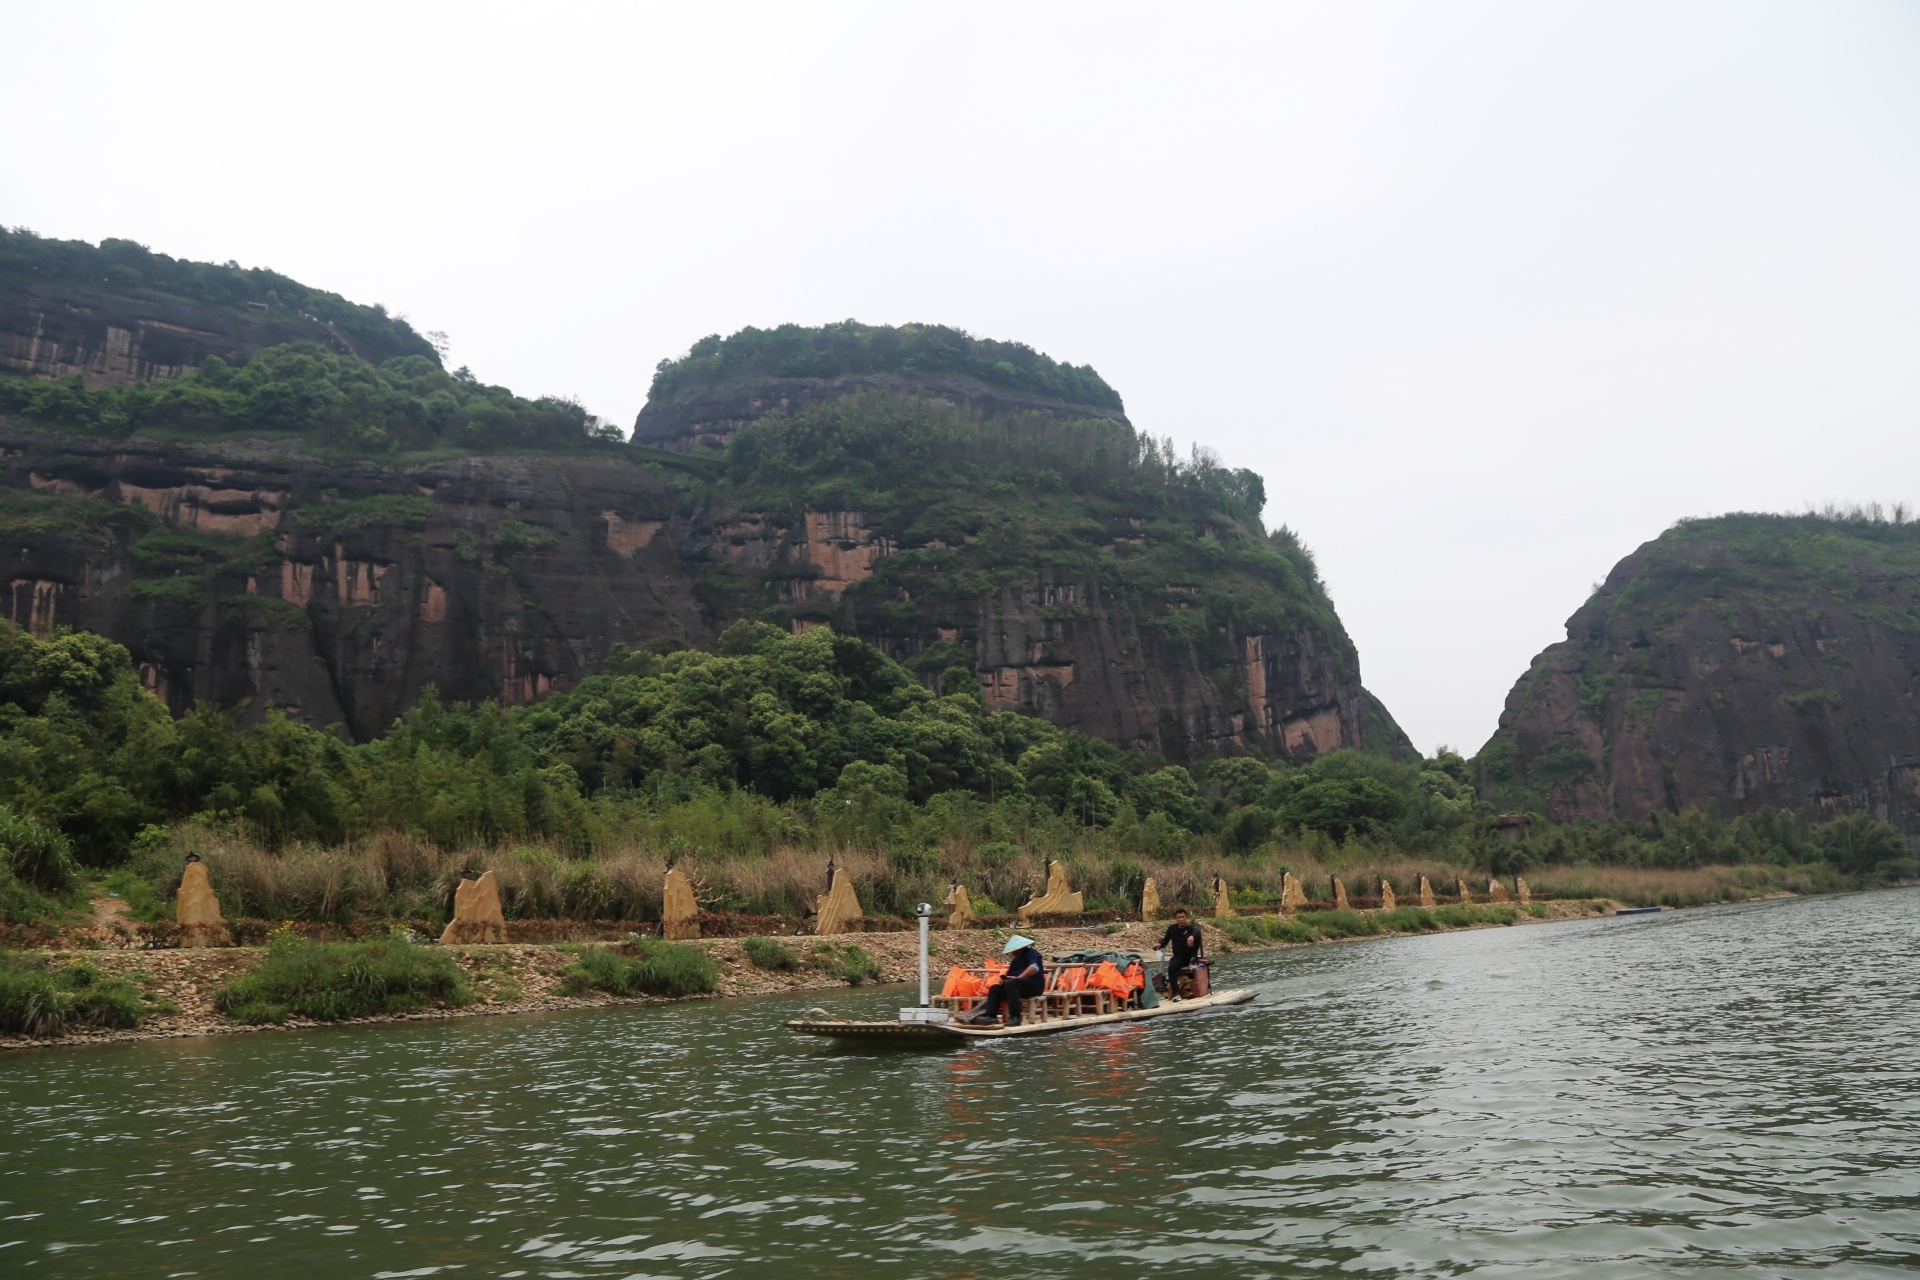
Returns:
<point x="957" y="1032"/>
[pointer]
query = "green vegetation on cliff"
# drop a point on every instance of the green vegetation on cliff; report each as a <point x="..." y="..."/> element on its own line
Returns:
<point x="852" y="349"/>
<point x="124" y="267"/>
<point x="330" y="403"/>
<point x="1769" y="564"/>
<point x="972" y="506"/>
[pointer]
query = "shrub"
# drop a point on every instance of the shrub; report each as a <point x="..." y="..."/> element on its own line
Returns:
<point x="328" y="981"/>
<point x="1466" y="915"/>
<point x="643" y="967"/>
<point x="845" y="961"/>
<point x="765" y="953"/>
<point x="1408" y="919"/>
<point x="37" y="1001"/>
<point x="144" y="902"/>
<point x="21" y="903"/>
<point x="1345" y="924"/>
<point x="37" y="854"/>
<point x="1538" y="910"/>
<point x="1250" y="929"/>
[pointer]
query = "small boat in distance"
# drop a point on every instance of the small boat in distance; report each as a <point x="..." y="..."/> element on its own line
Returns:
<point x="1637" y="911"/>
<point x="1086" y="989"/>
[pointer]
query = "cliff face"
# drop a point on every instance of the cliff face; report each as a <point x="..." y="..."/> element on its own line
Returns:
<point x="1068" y="640"/>
<point x="1157" y="617"/>
<point x="338" y="592"/>
<point x="53" y="331"/>
<point x="1748" y="661"/>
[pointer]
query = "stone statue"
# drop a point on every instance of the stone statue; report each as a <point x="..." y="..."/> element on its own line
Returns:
<point x="1058" y="900"/>
<point x="838" y="907"/>
<point x="679" y="909"/>
<point x="476" y="912"/>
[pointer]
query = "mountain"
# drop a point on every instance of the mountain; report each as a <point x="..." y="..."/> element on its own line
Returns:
<point x="117" y="313"/>
<point x="1748" y="662"/>
<point x="305" y="527"/>
<point x="964" y="504"/>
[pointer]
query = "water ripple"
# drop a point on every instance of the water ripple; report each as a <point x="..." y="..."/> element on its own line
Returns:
<point x="1715" y="1091"/>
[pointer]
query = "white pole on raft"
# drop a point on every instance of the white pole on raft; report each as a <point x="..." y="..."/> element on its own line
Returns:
<point x="925" y="912"/>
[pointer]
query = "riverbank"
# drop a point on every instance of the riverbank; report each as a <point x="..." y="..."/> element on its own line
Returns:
<point x="527" y="977"/>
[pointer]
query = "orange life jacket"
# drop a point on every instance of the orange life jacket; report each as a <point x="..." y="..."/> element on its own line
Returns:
<point x="1110" y="977"/>
<point x="961" y="982"/>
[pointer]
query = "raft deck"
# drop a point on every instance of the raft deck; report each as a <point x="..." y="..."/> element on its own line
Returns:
<point x="953" y="1032"/>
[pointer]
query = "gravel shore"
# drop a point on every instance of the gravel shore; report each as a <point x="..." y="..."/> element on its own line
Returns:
<point x="526" y="977"/>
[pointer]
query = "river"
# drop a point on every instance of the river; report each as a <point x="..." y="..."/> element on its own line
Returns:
<point x="1731" y="1090"/>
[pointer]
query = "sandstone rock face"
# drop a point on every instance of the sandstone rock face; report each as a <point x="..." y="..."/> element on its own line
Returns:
<point x="54" y="331"/>
<point x="1070" y="634"/>
<point x="1753" y="662"/>
<point x="344" y="619"/>
<point x="1056" y="646"/>
<point x="1150" y="900"/>
<point x="1387" y="900"/>
<point x="1340" y="893"/>
<point x="1426" y="893"/>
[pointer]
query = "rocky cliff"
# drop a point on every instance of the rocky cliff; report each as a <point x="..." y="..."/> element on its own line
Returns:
<point x="959" y="503"/>
<point x="337" y="591"/>
<point x="117" y="313"/>
<point x="1746" y="661"/>
<point x="56" y="331"/>
<point x="1071" y="565"/>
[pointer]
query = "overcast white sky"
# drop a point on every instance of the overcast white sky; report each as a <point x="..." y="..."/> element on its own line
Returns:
<point x="1490" y="293"/>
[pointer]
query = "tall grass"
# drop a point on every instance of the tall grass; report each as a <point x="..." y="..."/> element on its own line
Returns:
<point x="393" y="875"/>
<point x="37" y="1000"/>
<point x="644" y="967"/>
<point x="328" y="981"/>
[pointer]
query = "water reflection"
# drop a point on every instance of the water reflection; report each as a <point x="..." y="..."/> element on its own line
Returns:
<point x="1729" y="1090"/>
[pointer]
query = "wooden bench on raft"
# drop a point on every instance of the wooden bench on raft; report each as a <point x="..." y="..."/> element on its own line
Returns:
<point x="1070" y="992"/>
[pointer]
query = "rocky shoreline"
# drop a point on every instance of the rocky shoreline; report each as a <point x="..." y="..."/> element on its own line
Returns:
<point x="526" y="977"/>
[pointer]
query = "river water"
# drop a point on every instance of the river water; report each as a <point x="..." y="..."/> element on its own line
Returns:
<point x="1731" y="1090"/>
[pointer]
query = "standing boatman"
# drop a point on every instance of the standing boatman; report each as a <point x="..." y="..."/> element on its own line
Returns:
<point x="1025" y="978"/>
<point x="1183" y="944"/>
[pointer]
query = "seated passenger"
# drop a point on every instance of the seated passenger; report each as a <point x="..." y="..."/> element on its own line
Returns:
<point x="1025" y="978"/>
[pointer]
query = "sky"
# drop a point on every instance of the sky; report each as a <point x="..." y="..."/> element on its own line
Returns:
<point x="1489" y="293"/>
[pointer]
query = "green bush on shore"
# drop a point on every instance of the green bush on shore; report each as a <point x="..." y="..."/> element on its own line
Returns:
<point x="846" y="961"/>
<point x="765" y="953"/>
<point x="643" y="967"/>
<point x="39" y="1001"/>
<point x="329" y="981"/>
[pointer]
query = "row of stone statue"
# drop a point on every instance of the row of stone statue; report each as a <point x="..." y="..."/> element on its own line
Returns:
<point x="1293" y="895"/>
<point x="477" y="916"/>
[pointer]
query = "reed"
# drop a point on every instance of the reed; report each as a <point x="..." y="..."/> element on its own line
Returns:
<point x="393" y="875"/>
